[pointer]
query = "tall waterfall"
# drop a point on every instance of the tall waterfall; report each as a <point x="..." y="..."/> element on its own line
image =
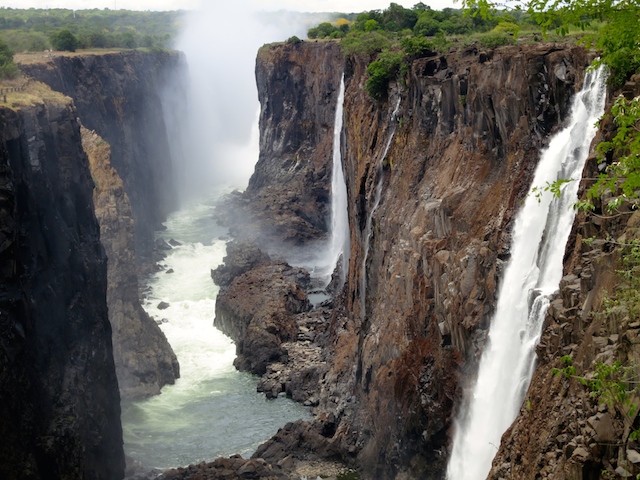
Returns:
<point x="374" y="207"/>
<point x="339" y="218"/>
<point x="533" y="274"/>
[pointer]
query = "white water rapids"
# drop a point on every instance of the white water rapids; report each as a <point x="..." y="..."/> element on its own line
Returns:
<point x="533" y="274"/>
<point x="212" y="410"/>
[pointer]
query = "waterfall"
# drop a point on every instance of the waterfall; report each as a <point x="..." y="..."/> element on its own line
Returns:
<point x="376" y="202"/>
<point x="339" y="219"/>
<point x="533" y="274"/>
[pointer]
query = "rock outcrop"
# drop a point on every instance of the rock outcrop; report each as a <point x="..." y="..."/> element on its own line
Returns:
<point x="59" y="400"/>
<point x="287" y="202"/>
<point x="117" y="96"/>
<point x="257" y="308"/>
<point x="144" y="362"/>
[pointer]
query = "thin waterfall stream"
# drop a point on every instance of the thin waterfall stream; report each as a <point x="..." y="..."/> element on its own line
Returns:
<point x="533" y="275"/>
<point x="339" y="246"/>
<point x="376" y="201"/>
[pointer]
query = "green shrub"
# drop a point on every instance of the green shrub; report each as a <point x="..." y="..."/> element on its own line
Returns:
<point x="323" y="30"/>
<point x="426" y="25"/>
<point x="294" y="40"/>
<point x="8" y="68"/>
<point x="417" y="46"/>
<point x="380" y="72"/>
<point x="364" y="43"/>
<point x="494" y="40"/>
<point x="64" y="40"/>
<point x="508" y="28"/>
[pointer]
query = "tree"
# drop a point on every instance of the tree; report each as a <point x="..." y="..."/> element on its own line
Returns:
<point x="617" y="39"/>
<point x="8" y="68"/>
<point x="64" y="40"/>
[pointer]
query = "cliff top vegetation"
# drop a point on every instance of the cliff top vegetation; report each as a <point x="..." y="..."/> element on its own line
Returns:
<point x="18" y="92"/>
<point x="396" y="35"/>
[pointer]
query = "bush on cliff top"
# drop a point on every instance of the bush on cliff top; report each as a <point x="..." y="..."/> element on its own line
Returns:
<point x="8" y="68"/>
<point x="64" y="40"/>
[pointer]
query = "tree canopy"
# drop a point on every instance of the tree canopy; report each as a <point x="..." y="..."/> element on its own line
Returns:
<point x="617" y="39"/>
<point x="8" y="68"/>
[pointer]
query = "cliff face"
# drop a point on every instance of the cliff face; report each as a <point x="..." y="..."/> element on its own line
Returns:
<point x="427" y="253"/>
<point x="135" y="335"/>
<point x="287" y="202"/>
<point x="117" y="95"/>
<point x="59" y="399"/>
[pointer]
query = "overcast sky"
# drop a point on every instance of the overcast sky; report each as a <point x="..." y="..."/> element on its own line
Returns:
<point x="296" y="5"/>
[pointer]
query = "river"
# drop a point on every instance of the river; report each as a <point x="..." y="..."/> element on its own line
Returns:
<point x="213" y="410"/>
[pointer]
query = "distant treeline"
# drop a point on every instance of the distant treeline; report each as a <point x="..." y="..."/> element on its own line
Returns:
<point x="32" y="30"/>
<point x="421" y="20"/>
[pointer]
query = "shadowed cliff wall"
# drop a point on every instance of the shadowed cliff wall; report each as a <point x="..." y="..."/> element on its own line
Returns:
<point x="117" y="95"/>
<point x="59" y="400"/>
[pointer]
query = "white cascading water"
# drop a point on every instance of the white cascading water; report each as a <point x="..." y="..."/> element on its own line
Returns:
<point x="213" y="409"/>
<point x="532" y="276"/>
<point x="339" y="218"/>
<point x="376" y="202"/>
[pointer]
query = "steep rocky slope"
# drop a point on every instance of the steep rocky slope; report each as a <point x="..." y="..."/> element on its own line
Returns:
<point x="59" y="400"/>
<point x="471" y="126"/>
<point x="427" y="253"/>
<point x="143" y="362"/>
<point x="287" y="201"/>
<point x="118" y="96"/>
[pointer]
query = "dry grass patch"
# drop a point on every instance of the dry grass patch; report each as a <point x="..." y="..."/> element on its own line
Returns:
<point x="19" y="92"/>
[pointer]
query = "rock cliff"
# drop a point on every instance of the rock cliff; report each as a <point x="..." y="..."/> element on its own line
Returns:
<point x="426" y="251"/>
<point x="59" y="400"/>
<point x="287" y="201"/>
<point x="117" y="96"/>
<point x="471" y="126"/>
<point x="144" y="362"/>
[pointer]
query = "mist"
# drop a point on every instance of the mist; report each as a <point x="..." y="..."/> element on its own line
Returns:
<point x="216" y="132"/>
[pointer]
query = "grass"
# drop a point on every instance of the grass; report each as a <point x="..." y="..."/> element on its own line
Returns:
<point x="34" y="93"/>
<point x="28" y="58"/>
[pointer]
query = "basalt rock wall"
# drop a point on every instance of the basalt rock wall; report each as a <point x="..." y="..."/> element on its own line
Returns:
<point x="427" y="257"/>
<point x="118" y="95"/>
<point x="59" y="400"/>
<point x="118" y="100"/>
<point x="144" y="360"/>
<point x="287" y="201"/>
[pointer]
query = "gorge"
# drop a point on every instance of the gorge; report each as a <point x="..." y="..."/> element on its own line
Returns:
<point x="434" y="175"/>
